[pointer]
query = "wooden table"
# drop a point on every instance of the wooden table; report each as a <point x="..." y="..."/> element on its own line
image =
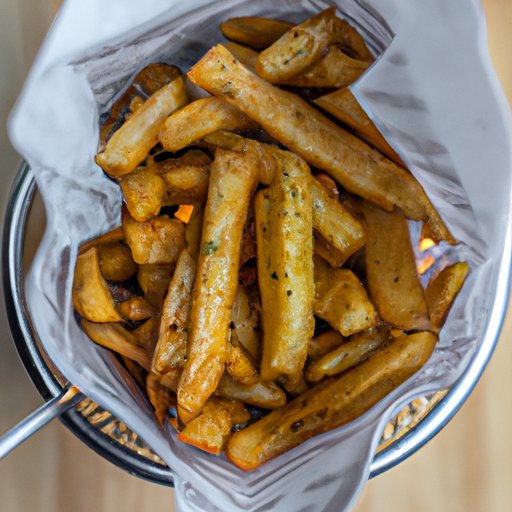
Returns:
<point x="466" y="468"/>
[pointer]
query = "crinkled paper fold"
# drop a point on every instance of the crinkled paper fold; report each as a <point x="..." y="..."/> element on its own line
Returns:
<point x="433" y="94"/>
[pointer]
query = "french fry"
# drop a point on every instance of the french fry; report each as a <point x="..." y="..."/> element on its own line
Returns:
<point x="442" y="291"/>
<point x="332" y="403"/>
<point x="91" y="297"/>
<point x="351" y="353"/>
<point x="304" y="45"/>
<point x="343" y="105"/>
<point x="154" y="281"/>
<point x="211" y="430"/>
<point x="146" y="334"/>
<point x="335" y="224"/>
<point x="266" y="395"/>
<point x="131" y="143"/>
<point x="170" y="351"/>
<point x="284" y="225"/>
<point x="136" y="309"/>
<point x="158" y="240"/>
<point x="327" y="251"/>
<point x="239" y="366"/>
<point x="341" y="300"/>
<point x="199" y="118"/>
<point x="193" y="232"/>
<point x="115" y="337"/>
<point x="161" y="397"/>
<point x="325" y="342"/>
<point x="116" y="262"/>
<point x="393" y="281"/>
<point x="233" y="179"/>
<point x="247" y="56"/>
<point x="115" y="235"/>
<point x="293" y="122"/>
<point x="146" y="82"/>
<point x="255" y="32"/>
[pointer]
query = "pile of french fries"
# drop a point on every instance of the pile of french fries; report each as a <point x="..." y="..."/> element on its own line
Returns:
<point x="263" y="285"/>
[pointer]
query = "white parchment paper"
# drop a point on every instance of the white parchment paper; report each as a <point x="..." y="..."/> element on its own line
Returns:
<point x="434" y="95"/>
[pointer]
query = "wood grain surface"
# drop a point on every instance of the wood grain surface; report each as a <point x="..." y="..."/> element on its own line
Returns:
<point x="465" y="468"/>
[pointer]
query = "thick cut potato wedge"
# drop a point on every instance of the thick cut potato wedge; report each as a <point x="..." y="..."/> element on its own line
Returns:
<point x="266" y="395"/>
<point x="293" y="122"/>
<point x="156" y="241"/>
<point x="211" y="430"/>
<point x="200" y="118"/>
<point x="239" y="366"/>
<point x="334" y="223"/>
<point x="442" y="290"/>
<point x="171" y="348"/>
<point x="116" y="262"/>
<point x="284" y="227"/>
<point x="325" y="342"/>
<point x="146" y="82"/>
<point x="356" y="350"/>
<point x="332" y="403"/>
<point x="255" y="32"/>
<point x="130" y="145"/>
<point x="91" y="297"/>
<point x="391" y="274"/>
<point x="304" y="45"/>
<point x="233" y="179"/>
<point x="343" y="105"/>
<point x="116" y="338"/>
<point x="154" y="281"/>
<point x="341" y="300"/>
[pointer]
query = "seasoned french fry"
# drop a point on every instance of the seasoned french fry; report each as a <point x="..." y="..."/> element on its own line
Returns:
<point x="266" y="395"/>
<point x="351" y="353"/>
<point x="393" y="281"/>
<point x="255" y="32"/>
<point x="161" y="397"/>
<point x="233" y="179"/>
<point x="325" y="342"/>
<point x="193" y="232"/>
<point x="293" y="122"/>
<point x="158" y="240"/>
<point x="304" y="45"/>
<point x="331" y="403"/>
<point x="239" y="366"/>
<point x="442" y="290"/>
<point x="284" y="225"/>
<point x="211" y="430"/>
<point x="91" y="296"/>
<point x="115" y="337"/>
<point x="146" y="82"/>
<point x="170" y="351"/>
<point x="334" y="223"/>
<point x="154" y="280"/>
<point x="130" y="145"/>
<point x="343" y="105"/>
<point x="137" y="309"/>
<point x="200" y="118"/>
<point x="341" y="300"/>
<point x="116" y="262"/>
<point x="327" y="251"/>
<point x="247" y="56"/>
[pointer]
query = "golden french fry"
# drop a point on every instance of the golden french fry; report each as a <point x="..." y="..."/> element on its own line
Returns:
<point x="154" y="281"/>
<point x="200" y="118"/>
<point x="391" y="274"/>
<point x="294" y="384"/>
<point x="239" y="366"/>
<point x="304" y="45"/>
<point x="233" y="179"/>
<point x="146" y="82"/>
<point x="327" y="251"/>
<point x="158" y="240"/>
<point x="293" y="122"/>
<point x="211" y="430"/>
<point x="343" y="105"/>
<point x="247" y="56"/>
<point x="116" y="338"/>
<point x="332" y="403"/>
<point x="266" y="395"/>
<point x="341" y="300"/>
<point x="115" y="235"/>
<point x="442" y="291"/>
<point x="351" y="353"/>
<point x="147" y="334"/>
<point x="137" y="309"/>
<point x="284" y="226"/>
<point x="325" y="342"/>
<point x="255" y="32"/>
<point x="170" y="351"/>
<point x="116" y="262"/>
<point x="161" y="397"/>
<point x="91" y="297"/>
<point x="334" y="223"/>
<point x="131" y="143"/>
